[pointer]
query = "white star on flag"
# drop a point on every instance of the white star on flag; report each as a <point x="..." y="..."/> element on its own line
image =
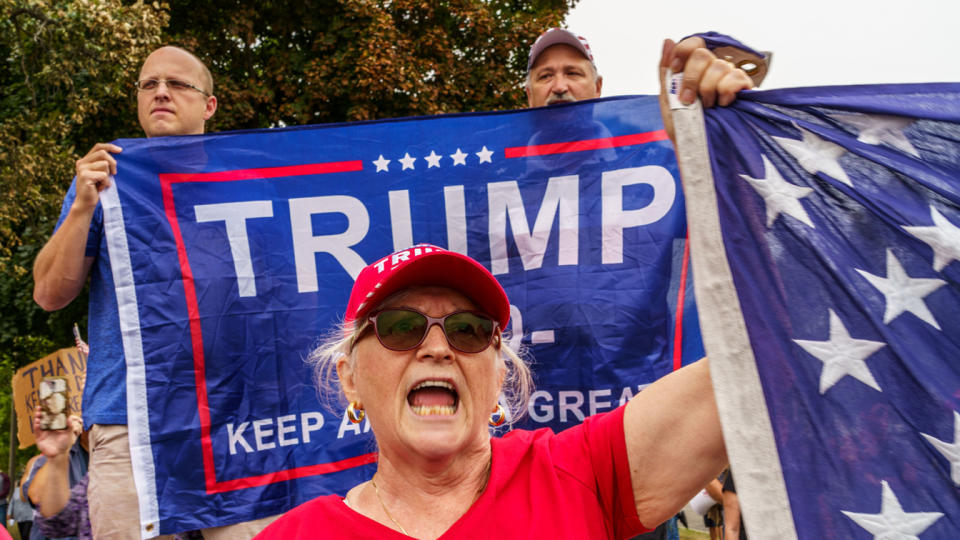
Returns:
<point x="484" y="155"/>
<point x="904" y="293"/>
<point x="942" y="236"/>
<point x="878" y="129"/>
<point x="816" y="155"/>
<point x="842" y="355"/>
<point x="779" y="196"/>
<point x="459" y="158"/>
<point x="381" y="163"/>
<point x="407" y="161"/>
<point x="892" y="523"/>
<point x="951" y="451"/>
<point x="433" y="160"/>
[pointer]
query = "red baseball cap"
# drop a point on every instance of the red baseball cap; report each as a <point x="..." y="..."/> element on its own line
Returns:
<point x="425" y="264"/>
<point x="554" y="36"/>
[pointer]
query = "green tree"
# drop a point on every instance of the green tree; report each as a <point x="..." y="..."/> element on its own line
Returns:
<point x="67" y="81"/>
<point x="294" y="63"/>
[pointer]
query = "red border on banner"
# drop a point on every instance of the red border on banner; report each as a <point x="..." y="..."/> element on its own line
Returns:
<point x="196" y="335"/>
<point x="586" y="144"/>
<point x="193" y="310"/>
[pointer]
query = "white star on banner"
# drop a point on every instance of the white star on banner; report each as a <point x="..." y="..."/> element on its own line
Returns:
<point x="816" y="155"/>
<point x="892" y="523"/>
<point x="842" y="355"/>
<point x="878" y="129"/>
<point x="381" y="163"/>
<point x="433" y="160"/>
<point x="407" y="161"/>
<point x="459" y="158"/>
<point x="942" y="236"/>
<point x="484" y="155"/>
<point x="779" y="196"/>
<point x="904" y="293"/>
<point x="951" y="451"/>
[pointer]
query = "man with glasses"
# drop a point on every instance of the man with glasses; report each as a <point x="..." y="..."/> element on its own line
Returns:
<point x="174" y="97"/>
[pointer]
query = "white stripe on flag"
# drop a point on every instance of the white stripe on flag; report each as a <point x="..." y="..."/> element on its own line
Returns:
<point x="743" y="410"/>
<point x="138" y="421"/>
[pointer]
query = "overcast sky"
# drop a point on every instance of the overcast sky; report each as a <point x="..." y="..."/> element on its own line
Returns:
<point x="815" y="42"/>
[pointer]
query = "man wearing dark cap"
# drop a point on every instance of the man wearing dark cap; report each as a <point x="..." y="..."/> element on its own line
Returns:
<point x="561" y="68"/>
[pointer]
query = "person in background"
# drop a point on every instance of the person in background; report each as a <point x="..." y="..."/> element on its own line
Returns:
<point x="20" y="511"/>
<point x="733" y="528"/>
<point x="4" y="494"/>
<point x="713" y="518"/>
<point x="561" y="68"/>
<point x="673" y="525"/>
<point x="28" y="472"/>
<point x="174" y="97"/>
<point x="665" y="531"/>
<point x="61" y="497"/>
<point x="61" y="468"/>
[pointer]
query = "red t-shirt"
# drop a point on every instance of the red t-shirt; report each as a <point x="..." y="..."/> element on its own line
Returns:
<point x="542" y="485"/>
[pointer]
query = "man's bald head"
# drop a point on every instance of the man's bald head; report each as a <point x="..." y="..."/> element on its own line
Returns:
<point x="177" y="98"/>
<point x="206" y="78"/>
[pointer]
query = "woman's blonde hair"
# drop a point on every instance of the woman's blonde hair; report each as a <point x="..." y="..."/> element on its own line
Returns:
<point x="517" y="383"/>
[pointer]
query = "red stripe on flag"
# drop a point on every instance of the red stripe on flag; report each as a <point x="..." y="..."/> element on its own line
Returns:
<point x="681" y="294"/>
<point x="588" y="144"/>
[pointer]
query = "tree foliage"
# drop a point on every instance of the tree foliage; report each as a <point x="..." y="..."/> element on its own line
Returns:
<point x="68" y="70"/>
<point x="292" y="63"/>
<point x="69" y="66"/>
<point x="66" y="74"/>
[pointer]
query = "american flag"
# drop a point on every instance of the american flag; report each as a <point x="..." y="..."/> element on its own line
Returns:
<point x="825" y="234"/>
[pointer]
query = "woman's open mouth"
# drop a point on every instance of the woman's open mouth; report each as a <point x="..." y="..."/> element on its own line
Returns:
<point x="433" y="398"/>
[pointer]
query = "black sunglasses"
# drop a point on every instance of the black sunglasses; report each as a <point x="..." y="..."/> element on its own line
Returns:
<point x="402" y="329"/>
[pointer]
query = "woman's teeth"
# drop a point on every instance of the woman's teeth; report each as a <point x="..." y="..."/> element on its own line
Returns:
<point x="434" y="410"/>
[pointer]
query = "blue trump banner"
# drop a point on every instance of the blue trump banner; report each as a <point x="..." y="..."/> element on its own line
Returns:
<point x="825" y="234"/>
<point x="232" y="253"/>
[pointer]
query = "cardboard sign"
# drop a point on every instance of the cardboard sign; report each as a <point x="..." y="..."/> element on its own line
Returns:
<point x="68" y="363"/>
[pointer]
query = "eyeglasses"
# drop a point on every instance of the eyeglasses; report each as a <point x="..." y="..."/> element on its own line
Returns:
<point x="149" y="85"/>
<point x="402" y="329"/>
